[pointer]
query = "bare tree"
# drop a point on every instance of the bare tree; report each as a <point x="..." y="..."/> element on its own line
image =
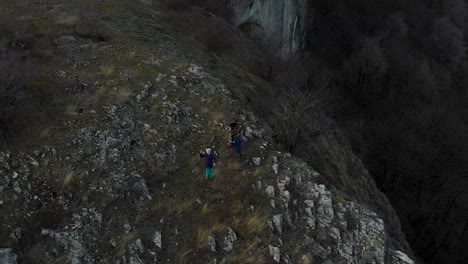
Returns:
<point x="300" y="107"/>
<point x="366" y="67"/>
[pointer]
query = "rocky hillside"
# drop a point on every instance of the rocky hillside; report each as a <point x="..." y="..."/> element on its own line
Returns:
<point x="116" y="178"/>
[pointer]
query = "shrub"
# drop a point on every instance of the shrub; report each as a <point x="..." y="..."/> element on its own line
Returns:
<point x="300" y="102"/>
<point x="87" y="23"/>
<point x="216" y="36"/>
<point x="87" y="27"/>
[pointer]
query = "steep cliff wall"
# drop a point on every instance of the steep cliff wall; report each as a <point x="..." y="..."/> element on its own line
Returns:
<point x="268" y="19"/>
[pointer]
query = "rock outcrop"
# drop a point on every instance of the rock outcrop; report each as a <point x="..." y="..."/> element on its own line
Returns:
<point x="269" y="19"/>
<point x="329" y="227"/>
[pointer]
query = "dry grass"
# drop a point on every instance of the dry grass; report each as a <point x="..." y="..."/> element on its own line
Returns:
<point x="179" y="208"/>
<point x="124" y="241"/>
<point x="246" y="258"/>
<point x="68" y="178"/>
<point x="206" y="209"/>
<point x="45" y="133"/>
<point x="119" y="95"/>
<point x="70" y="109"/>
<point x="202" y="233"/>
<point x="100" y="92"/>
<point x="257" y="172"/>
<point x="253" y="224"/>
<point x="230" y="168"/>
<point x="184" y="256"/>
<point x="107" y="69"/>
<point x="338" y="199"/>
<point x="202" y="237"/>
<point x="68" y="21"/>
<point x="253" y="253"/>
<point x="305" y="261"/>
<point x="217" y="116"/>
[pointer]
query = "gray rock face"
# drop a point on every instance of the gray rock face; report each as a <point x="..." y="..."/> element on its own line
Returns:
<point x="72" y="242"/>
<point x="157" y="239"/>
<point x="257" y="161"/>
<point x="275" y="252"/>
<point x="7" y="256"/>
<point x="401" y="258"/>
<point x="212" y="242"/>
<point x="330" y="228"/>
<point x="270" y="191"/>
<point x="278" y="222"/>
<point x="229" y="240"/>
<point x="285" y="18"/>
<point x="135" y="249"/>
<point x="275" y="168"/>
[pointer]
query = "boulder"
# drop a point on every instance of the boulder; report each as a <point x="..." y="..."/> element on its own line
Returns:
<point x="7" y="256"/>
<point x="229" y="240"/>
<point x="275" y="252"/>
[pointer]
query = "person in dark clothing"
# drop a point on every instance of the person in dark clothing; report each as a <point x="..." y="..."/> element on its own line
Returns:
<point x="237" y="143"/>
<point x="210" y="162"/>
<point x="235" y="129"/>
<point x="234" y="126"/>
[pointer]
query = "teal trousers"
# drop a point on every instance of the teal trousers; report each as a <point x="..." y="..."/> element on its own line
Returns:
<point x="209" y="173"/>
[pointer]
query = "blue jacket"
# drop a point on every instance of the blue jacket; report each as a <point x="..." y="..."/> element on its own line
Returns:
<point x="237" y="141"/>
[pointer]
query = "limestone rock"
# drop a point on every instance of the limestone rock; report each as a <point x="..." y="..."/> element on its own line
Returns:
<point x="399" y="257"/>
<point x="7" y="256"/>
<point x="136" y="248"/>
<point x="16" y="187"/>
<point x="285" y="198"/>
<point x="257" y="161"/>
<point x="270" y="191"/>
<point x="229" y="240"/>
<point x="157" y="239"/>
<point x="274" y="167"/>
<point x="275" y="252"/>
<point x="212" y="242"/>
<point x="278" y="222"/>
<point x="197" y="71"/>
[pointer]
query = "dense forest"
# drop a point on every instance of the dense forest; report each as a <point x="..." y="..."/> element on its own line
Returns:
<point x="399" y="84"/>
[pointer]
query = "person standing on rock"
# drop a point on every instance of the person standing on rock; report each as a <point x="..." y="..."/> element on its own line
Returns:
<point x="210" y="162"/>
